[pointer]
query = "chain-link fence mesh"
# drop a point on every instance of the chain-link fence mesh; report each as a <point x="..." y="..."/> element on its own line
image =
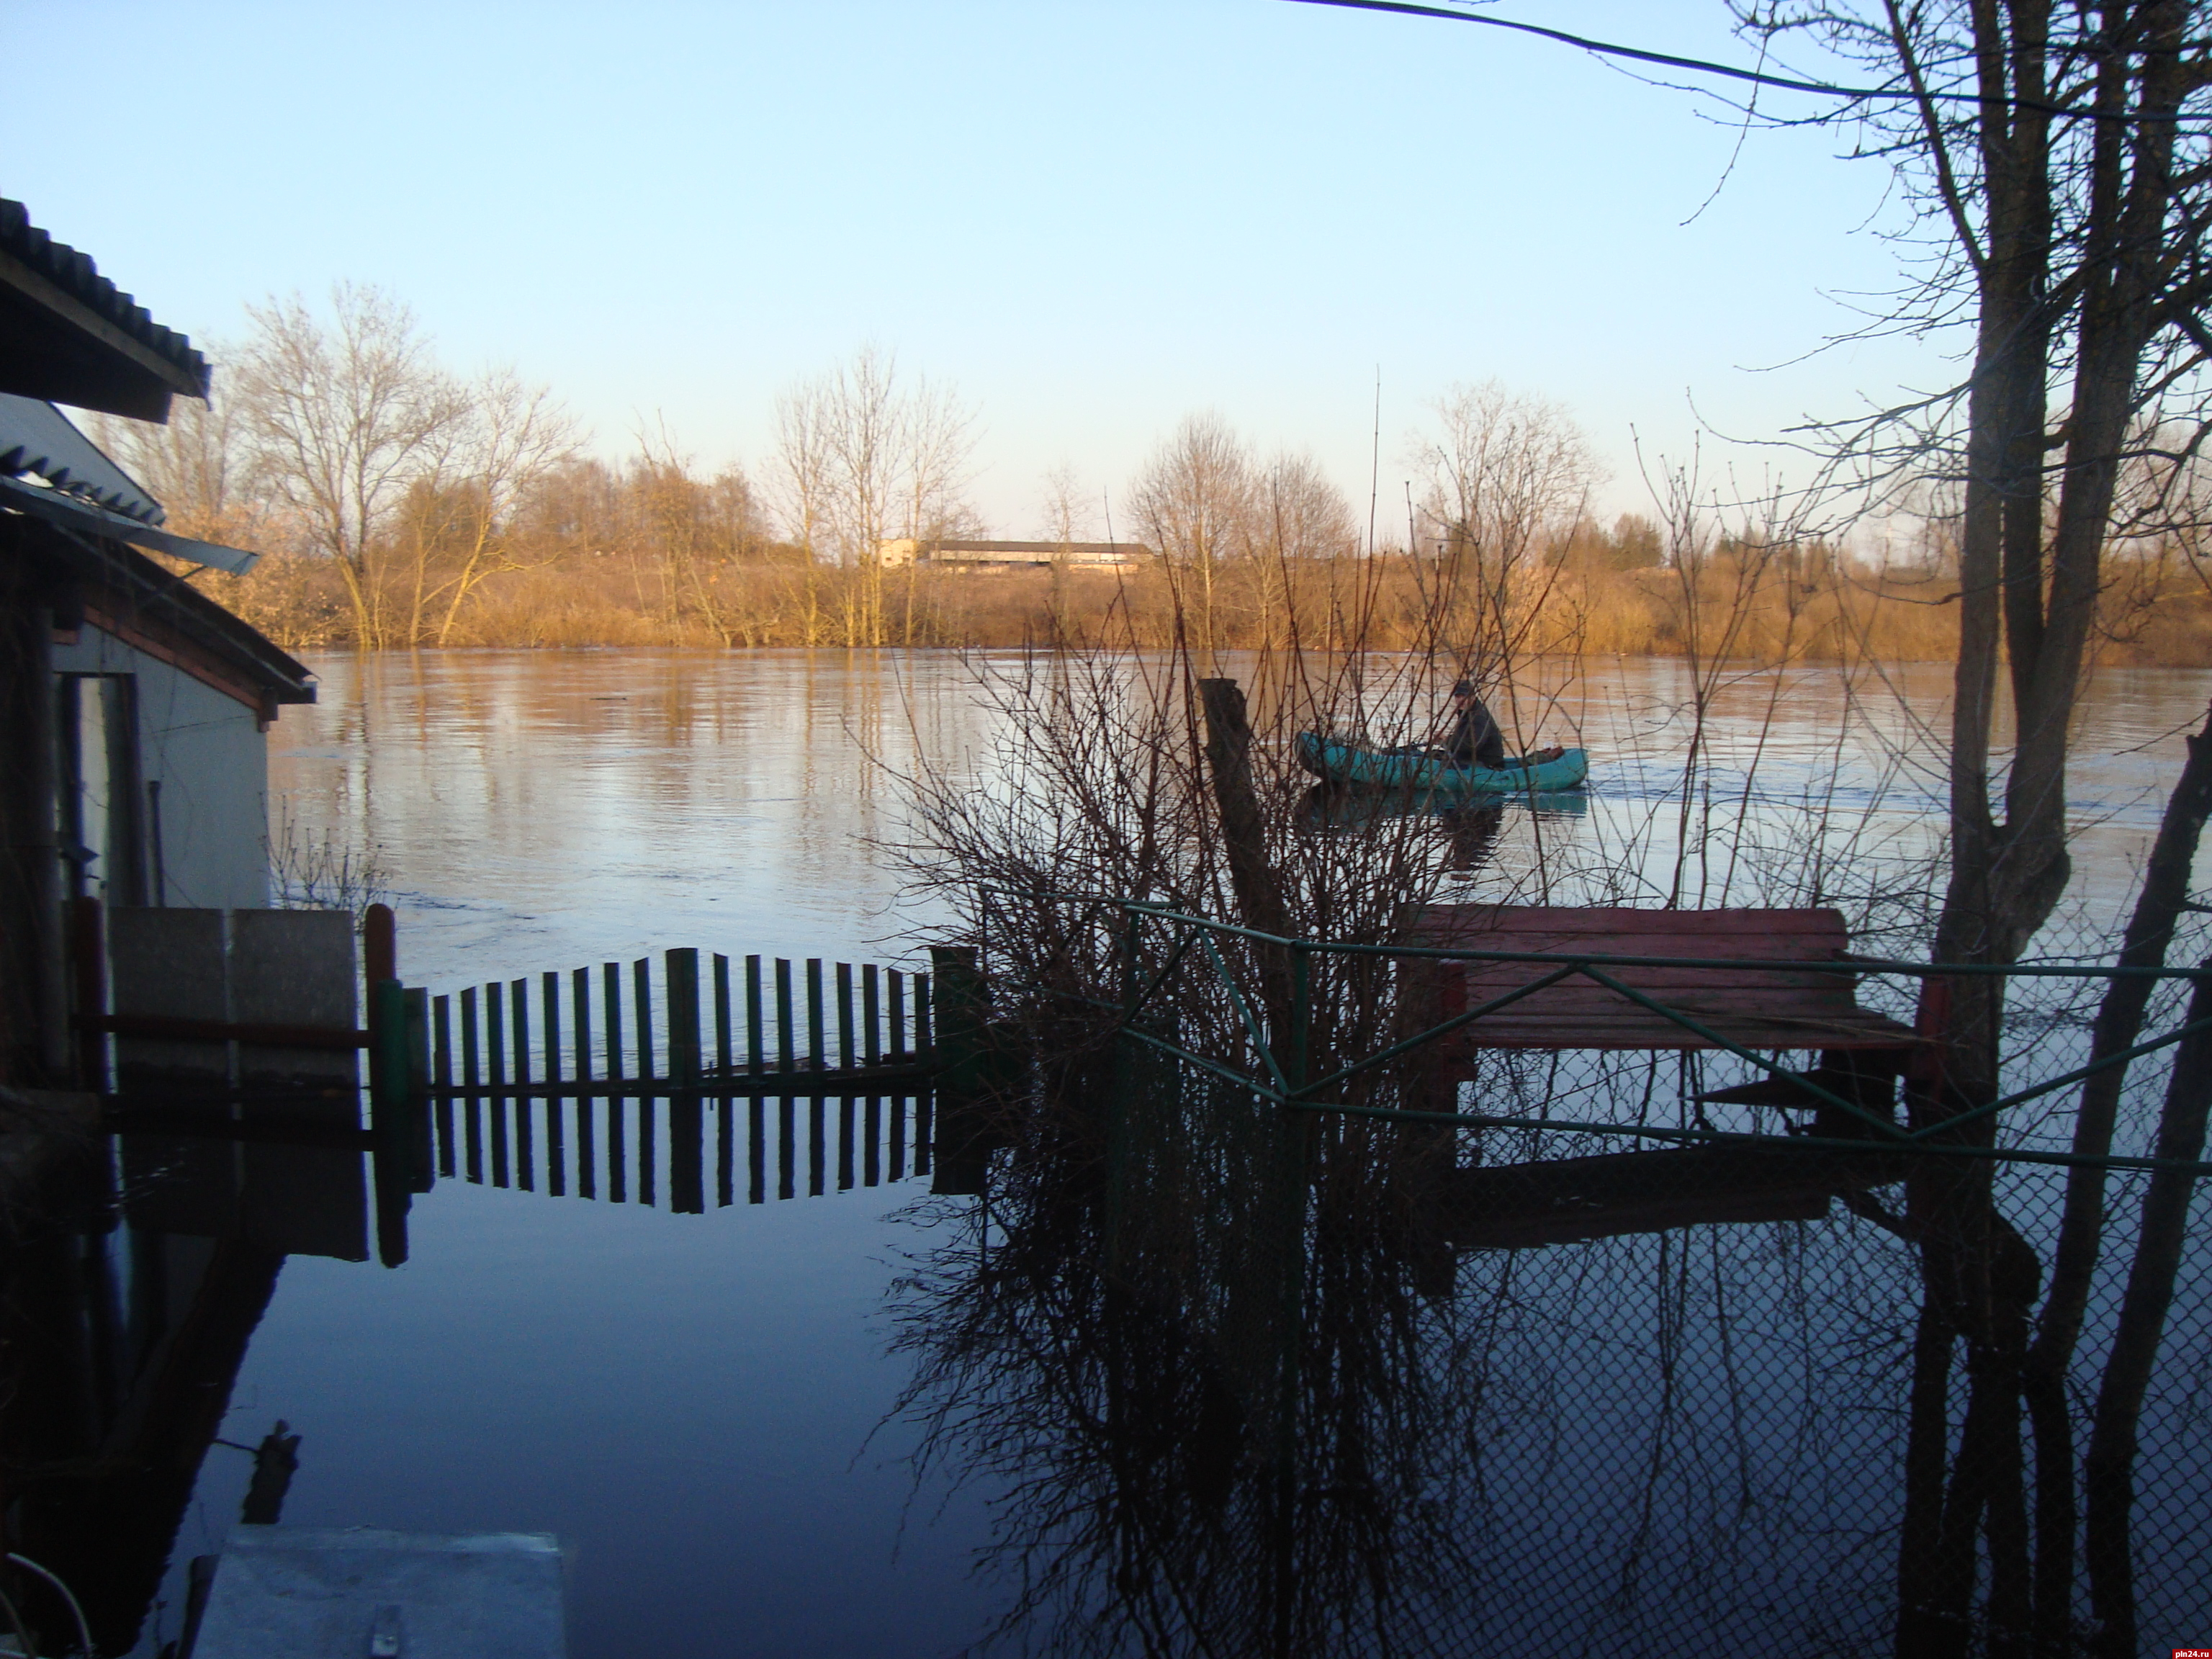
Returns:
<point x="1254" y="1380"/>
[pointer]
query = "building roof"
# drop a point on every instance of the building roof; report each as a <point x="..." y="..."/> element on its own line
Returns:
<point x="69" y="335"/>
<point x="1040" y="550"/>
<point x="81" y="489"/>
<point x="38" y="439"/>
<point x="121" y="591"/>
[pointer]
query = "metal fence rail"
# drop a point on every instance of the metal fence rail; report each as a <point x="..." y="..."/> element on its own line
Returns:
<point x="1284" y="1081"/>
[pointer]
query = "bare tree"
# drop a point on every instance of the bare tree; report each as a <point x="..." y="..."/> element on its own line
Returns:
<point x="864" y="458"/>
<point x="2061" y="167"/>
<point x="1194" y="501"/>
<point x="341" y="420"/>
<point x="195" y="465"/>
<point x="508" y="436"/>
<point x="1067" y="510"/>
<point x="1505" y="472"/>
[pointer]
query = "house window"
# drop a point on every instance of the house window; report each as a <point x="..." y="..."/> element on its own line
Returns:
<point x="97" y="816"/>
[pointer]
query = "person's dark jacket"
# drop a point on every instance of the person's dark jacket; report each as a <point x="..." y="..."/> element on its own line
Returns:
<point x="1476" y="740"/>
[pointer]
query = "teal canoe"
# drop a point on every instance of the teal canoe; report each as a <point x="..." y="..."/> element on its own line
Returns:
<point x="1357" y="767"/>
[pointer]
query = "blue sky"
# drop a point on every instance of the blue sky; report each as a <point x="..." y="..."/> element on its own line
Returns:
<point x="1093" y="217"/>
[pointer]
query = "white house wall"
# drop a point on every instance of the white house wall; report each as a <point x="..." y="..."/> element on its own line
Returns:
<point x="207" y="751"/>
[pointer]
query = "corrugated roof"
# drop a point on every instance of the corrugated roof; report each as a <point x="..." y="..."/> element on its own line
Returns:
<point x="37" y="438"/>
<point x="67" y="289"/>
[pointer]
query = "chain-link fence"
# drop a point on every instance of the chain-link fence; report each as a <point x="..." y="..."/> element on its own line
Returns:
<point x="1560" y="1357"/>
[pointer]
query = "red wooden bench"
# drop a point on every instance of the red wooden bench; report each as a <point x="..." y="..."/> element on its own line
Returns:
<point x="1753" y="1006"/>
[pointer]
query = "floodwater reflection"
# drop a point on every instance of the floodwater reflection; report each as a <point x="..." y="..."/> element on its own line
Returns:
<point x="1260" y="1386"/>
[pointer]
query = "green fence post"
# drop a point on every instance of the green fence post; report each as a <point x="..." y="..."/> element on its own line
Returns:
<point x="686" y="1112"/>
<point x="422" y="1171"/>
<point x="388" y="1065"/>
<point x="557" y="1151"/>
<point x="442" y="1074"/>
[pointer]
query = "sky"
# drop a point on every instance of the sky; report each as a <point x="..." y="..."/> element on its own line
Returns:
<point x="1092" y="217"/>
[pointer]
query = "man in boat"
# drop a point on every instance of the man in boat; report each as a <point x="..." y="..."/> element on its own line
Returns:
<point x="1476" y="740"/>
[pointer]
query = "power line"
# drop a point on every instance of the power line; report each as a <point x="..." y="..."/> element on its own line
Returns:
<point x="1730" y="72"/>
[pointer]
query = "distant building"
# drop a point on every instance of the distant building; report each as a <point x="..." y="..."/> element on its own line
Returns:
<point x="133" y="767"/>
<point x="902" y="550"/>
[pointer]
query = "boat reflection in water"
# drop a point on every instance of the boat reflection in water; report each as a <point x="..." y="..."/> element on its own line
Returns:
<point x="1468" y="829"/>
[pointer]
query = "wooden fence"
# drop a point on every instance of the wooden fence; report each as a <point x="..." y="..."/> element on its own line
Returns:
<point x="572" y="1083"/>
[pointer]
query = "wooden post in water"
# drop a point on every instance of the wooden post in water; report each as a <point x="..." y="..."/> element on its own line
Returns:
<point x="495" y="1044"/>
<point x="556" y="1161"/>
<point x="786" y="1051"/>
<point x="472" y="1075"/>
<point x="871" y="1052"/>
<point x="525" y="1176"/>
<point x="441" y="1071"/>
<point x="814" y="1051"/>
<point x="814" y="1161"/>
<point x="925" y="1103"/>
<point x="898" y="1015"/>
<point x="580" y="1000"/>
<point x="686" y="1117"/>
<point x="725" y="1105"/>
<point x="422" y="1166"/>
<point x="380" y="944"/>
<point x="960" y="1013"/>
<point x="388" y="1098"/>
<point x="617" y="1143"/>
<point x="756" y="1034"/>
<point x="648" y="1164"/>
<point x="846" y="1057"/>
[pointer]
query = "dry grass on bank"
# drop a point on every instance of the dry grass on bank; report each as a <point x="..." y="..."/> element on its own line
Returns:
<point x="1776" y="610"/>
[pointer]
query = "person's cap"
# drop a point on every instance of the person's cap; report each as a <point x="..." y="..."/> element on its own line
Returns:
<point x="1462" y="688"/>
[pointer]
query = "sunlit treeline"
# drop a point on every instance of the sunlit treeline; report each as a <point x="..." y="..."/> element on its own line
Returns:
<point x="399" y="506"/>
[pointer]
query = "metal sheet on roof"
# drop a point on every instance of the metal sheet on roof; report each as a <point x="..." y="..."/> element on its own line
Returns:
<point x="72" y="514"/>
<point x="37" y="438"/>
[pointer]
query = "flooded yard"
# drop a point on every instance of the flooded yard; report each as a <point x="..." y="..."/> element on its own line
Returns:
<point x="1682" y="1439"/>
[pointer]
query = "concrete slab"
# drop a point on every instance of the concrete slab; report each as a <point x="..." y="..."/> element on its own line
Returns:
<point x="362" y="1593"/>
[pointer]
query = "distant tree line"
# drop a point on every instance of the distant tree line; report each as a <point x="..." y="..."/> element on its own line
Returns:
<point x="401" y="505"/>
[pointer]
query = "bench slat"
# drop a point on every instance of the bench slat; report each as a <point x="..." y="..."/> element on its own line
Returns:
<point x="1748" y="1005"/>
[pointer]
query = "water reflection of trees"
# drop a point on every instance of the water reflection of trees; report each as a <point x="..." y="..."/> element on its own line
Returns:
<point x="1224" y="1422"/>
<point x="1210" y="1421"/>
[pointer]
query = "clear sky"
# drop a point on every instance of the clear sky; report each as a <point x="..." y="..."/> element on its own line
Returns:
<point x="1094" y="217"/>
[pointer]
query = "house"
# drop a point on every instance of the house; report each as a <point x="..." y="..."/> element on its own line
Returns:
<point x="133" y="763"/>
<point x="898" y="551"/>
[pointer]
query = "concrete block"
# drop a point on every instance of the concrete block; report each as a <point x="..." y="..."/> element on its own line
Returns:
<point x="362" y="1592"/>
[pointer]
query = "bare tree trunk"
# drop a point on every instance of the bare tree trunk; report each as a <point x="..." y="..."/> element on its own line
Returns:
<point x="1259" y="894"/>
<point x="1926" y="1455"/>
<point x="2108" y="1470"/>
<point x="2081" y="1234"/>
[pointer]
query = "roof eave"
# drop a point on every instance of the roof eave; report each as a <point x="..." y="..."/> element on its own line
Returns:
<point x="138" y="381"/>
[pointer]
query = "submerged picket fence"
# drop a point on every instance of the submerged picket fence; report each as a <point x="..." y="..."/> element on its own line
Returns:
<point x="576" y="1083"/>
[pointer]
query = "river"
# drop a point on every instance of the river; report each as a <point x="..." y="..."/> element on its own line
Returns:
<point x="696" y="1404"/>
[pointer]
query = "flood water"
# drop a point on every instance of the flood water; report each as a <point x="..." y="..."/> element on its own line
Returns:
<point x="697" y="1404"/>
